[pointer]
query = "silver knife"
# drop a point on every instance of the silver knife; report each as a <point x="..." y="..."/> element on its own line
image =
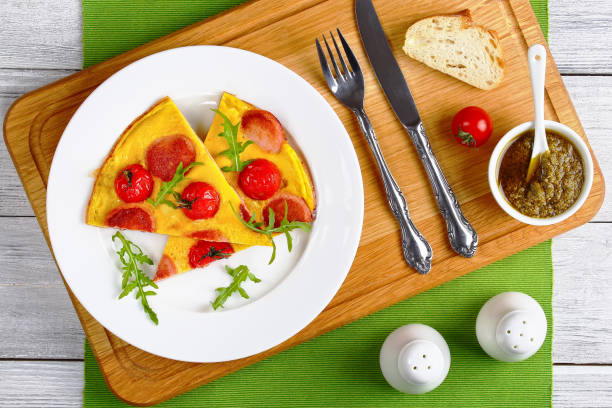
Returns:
<point x="462" y="236"/>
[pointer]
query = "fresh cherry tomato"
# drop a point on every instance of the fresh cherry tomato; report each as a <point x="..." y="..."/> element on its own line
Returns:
<point x="260" y="179"/>
<point x="199" y="200"/>
<point x="472" y="126"/>
<point x="134" y="184"/>
<point x="204" y="252"/>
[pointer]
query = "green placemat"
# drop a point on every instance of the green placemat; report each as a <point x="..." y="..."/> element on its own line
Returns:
<point x="340" y="368"/>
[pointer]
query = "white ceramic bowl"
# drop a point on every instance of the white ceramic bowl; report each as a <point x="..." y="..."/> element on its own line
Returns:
<point x="501" y="148"/>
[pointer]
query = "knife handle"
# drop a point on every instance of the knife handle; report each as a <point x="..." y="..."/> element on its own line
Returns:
<point x="462" y="236"/>
<point x="416" y="249"/>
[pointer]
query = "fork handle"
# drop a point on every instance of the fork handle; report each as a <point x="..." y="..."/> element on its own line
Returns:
<point x="416" y="249"/>
<point x="461" y="234"/>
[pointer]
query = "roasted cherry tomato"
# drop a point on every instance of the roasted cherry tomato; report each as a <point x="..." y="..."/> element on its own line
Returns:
<point x="134" y="184"/>
<point x="260" y="179"/>
<point x="204" y="252"/>
<point x="199" y="200"/>
<point x="472" y="126"/>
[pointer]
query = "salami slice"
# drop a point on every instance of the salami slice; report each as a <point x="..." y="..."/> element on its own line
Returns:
<point x="165" y="269"/>
<point x="245" y="213"/>
<point x="165" y="154"/>
<point x="264" y="129"/>
<point x="209" y="235"/>
<point x="131" y="217"/>
<point x="297" y="209"/>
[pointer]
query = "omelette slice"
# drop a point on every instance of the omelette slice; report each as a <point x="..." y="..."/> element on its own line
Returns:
<point x="148" y="161"/>
<point x="268" y="142"/>
<point x="182" y="254"/>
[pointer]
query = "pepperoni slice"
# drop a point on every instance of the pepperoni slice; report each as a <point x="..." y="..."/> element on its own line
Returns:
<point x="165" y="154"/>
<point x="165" y="269"/>
<point x="297" y="209"/>
<point x="130" y="218"/>
<point x="245" y="213"/>
<point x="264" y="129"/>
<point x="209" y="235"/>
<point x="204" y="252"/>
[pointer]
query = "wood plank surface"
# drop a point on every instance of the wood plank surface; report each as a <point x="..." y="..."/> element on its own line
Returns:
<point x="43" y="114"/>
<point x="41" y="34"/>
<point x="579" y="35"/>
<point x="574" y="386"/>
<point x="59" y="384"/>
<point x="38" y="36"/>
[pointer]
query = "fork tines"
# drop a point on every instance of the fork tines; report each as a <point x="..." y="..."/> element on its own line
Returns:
<point x="346" y="72"/>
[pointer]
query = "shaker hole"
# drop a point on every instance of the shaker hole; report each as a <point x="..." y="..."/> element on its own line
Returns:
<point x="414" y="368"/>
<point x="429" y="367"/>
<point x="531" y="339"/>
<point x="508" y="332"/>
<point x="424" y="355"/>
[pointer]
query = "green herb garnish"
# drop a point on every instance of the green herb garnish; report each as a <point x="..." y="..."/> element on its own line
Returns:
<point x="230" y="133"/>
<point x="240" y="275"/>
<point x="168" y="186"/>
<point x="285" y="227"/>
<point x="466" y="138"/>
<point x="131" y="257"/>
<point x="214" y="253"/>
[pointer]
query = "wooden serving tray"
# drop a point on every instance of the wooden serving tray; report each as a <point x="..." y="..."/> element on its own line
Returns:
<point x="285" y="32"/>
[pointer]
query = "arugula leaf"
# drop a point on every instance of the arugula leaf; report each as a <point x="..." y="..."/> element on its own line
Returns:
<point x="230" y="133"/>
<point x="131" y="256"/>
<point x="168" y="186"/>
<point x="284" y="228"/>
<point x="240" y="275"/>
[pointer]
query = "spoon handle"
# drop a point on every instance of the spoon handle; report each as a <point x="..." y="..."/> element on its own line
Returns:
<point x="537" y="70"/>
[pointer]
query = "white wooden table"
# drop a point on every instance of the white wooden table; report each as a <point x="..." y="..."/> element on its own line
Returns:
<point x="41" y="340"/>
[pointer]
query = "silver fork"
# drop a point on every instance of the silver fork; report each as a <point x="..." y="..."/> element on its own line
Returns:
<point x="348" y="86"/>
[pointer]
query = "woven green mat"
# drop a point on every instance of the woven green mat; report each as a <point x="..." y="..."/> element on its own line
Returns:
<point x="340" y="368"/>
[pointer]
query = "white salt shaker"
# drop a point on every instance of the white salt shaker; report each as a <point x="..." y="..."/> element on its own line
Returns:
<point x="511" y="326"/>
<point x="415" y="359"/>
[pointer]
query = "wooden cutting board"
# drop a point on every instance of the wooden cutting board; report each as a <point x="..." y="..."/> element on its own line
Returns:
<point x="285" y="32"/>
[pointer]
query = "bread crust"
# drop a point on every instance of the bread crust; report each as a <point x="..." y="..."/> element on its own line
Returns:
<point x="467" y="22"/>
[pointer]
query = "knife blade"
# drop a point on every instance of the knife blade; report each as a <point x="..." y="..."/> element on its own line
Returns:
<point x="462" y="236"/>
<point x="385" y="65"/>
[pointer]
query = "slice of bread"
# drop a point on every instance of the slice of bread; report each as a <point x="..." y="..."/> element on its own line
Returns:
<point x="455" y="46"/>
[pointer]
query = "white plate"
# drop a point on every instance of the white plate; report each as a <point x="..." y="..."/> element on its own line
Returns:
<point x="293" y="291"/>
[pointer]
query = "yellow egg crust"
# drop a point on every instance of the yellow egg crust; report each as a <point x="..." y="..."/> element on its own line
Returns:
<point x="164" y="119"/>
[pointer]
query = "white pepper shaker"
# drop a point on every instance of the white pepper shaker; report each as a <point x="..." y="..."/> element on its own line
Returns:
<point x="414" y="359"/>
<point x="511" y="326"/>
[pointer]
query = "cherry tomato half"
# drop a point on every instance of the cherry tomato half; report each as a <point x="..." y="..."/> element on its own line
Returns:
<point x="204" y="252"/>
<point x="472" y="126"/>
<point x="260" y="179"/>
<point x="134" y="184"/>
<point x="199" y="200"/>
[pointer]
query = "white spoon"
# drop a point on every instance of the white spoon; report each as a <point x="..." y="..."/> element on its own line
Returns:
<point x="537" y="71"/>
